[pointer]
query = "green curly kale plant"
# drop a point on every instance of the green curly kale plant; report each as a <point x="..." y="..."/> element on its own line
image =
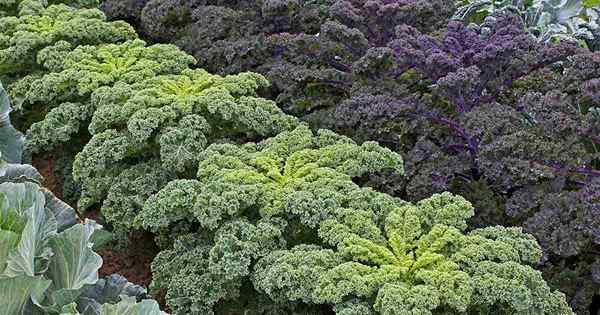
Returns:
<point x="147" y="133"/>
<point x="33" y="7"/>
<point x="420" y="262"/>
<point x="26" y="40"/>
<point x="66" y="91"/>
<point x="295" y="174"/>
<point x="249" y="200"/>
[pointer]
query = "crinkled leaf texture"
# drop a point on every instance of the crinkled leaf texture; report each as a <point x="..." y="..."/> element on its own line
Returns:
<point x="67" y="90"/>
<point x="421" y="262"/>
<point x="296" y="173"/>
<point x="252" y="199"/>
<point x="33" y="7"/>
<point x="149" y="132"/>
<point x="28" y="39"/>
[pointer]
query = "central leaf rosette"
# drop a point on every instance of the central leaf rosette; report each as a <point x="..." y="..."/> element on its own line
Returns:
<point x="295" y="174"/>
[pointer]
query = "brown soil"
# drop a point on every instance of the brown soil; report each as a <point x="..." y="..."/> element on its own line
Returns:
<point x="45" y="165"/>
<point x="132" y="263"/>
<point x="94" y="214"/>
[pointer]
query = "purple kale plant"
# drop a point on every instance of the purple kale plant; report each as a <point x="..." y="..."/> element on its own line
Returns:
<point x="469" y="68"/>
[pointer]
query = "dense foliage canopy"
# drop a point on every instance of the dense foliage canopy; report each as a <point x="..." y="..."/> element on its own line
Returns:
<point x="303" y="157"/>
<point x="502" y="112"/>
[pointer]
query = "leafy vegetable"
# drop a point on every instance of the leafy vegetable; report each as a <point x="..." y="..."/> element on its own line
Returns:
<point x="252" y="199"/>
<point x="147" y="132"/>
<point x="547" y="20"/>
<point x="420" y="262"/>
<point x="27" y="39"/>
<point x="32" y="7"/>
<point x="67" y="90"/>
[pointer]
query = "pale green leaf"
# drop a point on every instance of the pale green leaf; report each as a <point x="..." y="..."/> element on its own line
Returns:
<point x="129" y="306"/>
<point x="30" y="257"/>
<point x="74" y="263"/>
<point x="11" y="140"/>
<point x="16" y="292"/>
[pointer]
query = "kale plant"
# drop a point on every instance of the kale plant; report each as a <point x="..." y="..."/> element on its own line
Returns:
<point x="26" y="40"/>
<point x="34" y="7"/>
<point x="305" y="48"/>
<point x="155" y="130"/>
<point x="286" y="215"/>
<point x="65" y="92"/>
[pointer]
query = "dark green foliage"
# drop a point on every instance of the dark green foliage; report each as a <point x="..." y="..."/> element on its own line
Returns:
<point x="292" y="224"/>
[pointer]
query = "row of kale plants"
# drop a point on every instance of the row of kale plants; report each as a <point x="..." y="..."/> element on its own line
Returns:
<point x="276" y="184"/>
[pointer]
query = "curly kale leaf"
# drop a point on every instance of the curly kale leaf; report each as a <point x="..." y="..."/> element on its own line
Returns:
<point x="229" y="103"/>
<point x="198" y="273"/>
<point x="126" y="10"/>
<point x="476" y="67"/>
<point x="128" y="191"/>
<point x="34" y="7"/>
<point x="87" y="68"/>
<point x="292" y="275"/>
<point x="566" y="225"/>
<point x="81" y="72"/>
<point x="59" y="125"/>
<point x="23" y="37"/>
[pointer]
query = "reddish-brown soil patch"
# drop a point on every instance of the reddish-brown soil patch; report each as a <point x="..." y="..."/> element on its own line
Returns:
<point x="94" y="214"/>
<point x="45" y="165"/>
<point x="160" y="297"/>
<point x="132" y="263"/>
